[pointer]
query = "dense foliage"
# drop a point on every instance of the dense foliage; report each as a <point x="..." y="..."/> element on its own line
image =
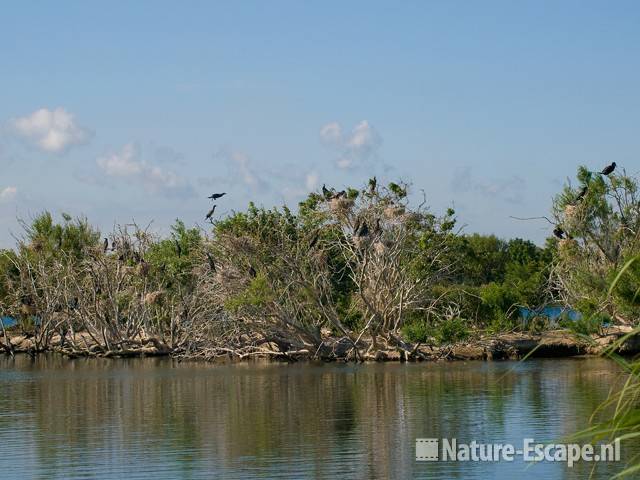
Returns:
<point x="600" y="218"/>
<point x="363" y="266"/>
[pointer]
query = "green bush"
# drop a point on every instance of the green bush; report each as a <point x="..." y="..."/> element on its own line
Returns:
<point x="452" y="331"/>
<point x="417" y="331"/>
<point x="586" y="325"/>
<point x="501" y="322"/>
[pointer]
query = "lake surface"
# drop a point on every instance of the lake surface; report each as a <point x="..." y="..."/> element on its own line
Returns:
<point x="157" y="418"/>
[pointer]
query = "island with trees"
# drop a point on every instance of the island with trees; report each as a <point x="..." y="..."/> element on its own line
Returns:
<point x="366" y="273"/>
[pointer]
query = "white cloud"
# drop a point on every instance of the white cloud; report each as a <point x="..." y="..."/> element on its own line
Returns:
<point x="511" y="189"/>
<point x="247" y="174"/>
<point x="240" y="170"/>
<point x="121" y="164"/>
<point x="51" y="130"/>
<point x="331" y="133"/>
<point x="8" y="194"/>
<point x="311" y="180"/>
<point x="361" y="145"/>
<point x="127" y="165"/>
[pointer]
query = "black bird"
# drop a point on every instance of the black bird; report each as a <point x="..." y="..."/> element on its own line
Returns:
<point x="73" y="303"/>
<point x="210" y="214"/>
<point x="378" y="229"/>
<point x="608" y="169"/>
<point x="582" y="193"/>
<point x="373" y="182"/>
<point x="105" y="245"/>
<point x="340" y="194"/>
<point x="212" y="263"/>
<point x="178" y="247"/>
<point x="364" y="230"/>
<point x="252" y="271"/>
<point x="216" y="196"/>
<point x="114" y="246"/>
<point x="326" y="192"/>
<point x="144" y="268"/>
<point x="559" y="232"/>
<point x="314" y="240"/>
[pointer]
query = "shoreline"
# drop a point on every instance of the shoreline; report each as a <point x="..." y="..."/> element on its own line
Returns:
<point x="514" y="345"/>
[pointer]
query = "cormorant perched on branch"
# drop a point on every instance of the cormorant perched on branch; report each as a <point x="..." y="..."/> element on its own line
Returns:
<point x="252" y="271"/>
<point x="105" y="246"/>
<point x="364" y="230"/>
<point x="212" y="263"/>
<point x="178" y="247"/>
<point x="210" y="214"/>
<point x="582" y="193"/>
<point x="73" y="303"/>
<point x="314" y="240"/>
<point x="608" y="169"/>
<point x="216" y="196"/>
<point x="356" y="226"/>
<point x="378" y="229"/>
<point x="559" y="232"/>
<point x="340" y="194"/>
<point x="326" y="192"/>
<point x="373" y="182"/>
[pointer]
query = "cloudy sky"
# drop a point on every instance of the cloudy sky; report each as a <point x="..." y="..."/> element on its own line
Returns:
<point x="139" y="110"/>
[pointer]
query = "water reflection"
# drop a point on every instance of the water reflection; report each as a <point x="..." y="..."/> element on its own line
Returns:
<point x="161" y="419"/>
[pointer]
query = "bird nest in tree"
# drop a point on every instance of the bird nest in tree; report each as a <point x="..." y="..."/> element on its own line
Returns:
<point x="379" y="247"/>
<point x="567" y="244"/>
<point x="411" y="217"/>
<point x="393" y="211"/>
<point x="360" y="241"/>
<point x="570" y="211"/>
<point x="153" y="298"/>
<point x="340" y="205"/>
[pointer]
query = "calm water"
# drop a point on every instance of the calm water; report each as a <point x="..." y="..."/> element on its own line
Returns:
<point x="156" y="418"/>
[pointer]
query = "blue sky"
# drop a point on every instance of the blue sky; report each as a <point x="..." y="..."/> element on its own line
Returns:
<point x="139" y="110"/>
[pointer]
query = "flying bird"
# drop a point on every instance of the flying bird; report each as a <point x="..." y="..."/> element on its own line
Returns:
<point x="210" y="214"/>
<point x="608" y="169"/>
<point x="559" y="232"/>
<point x="212" y="263"/>
<point x="216" y="196"/>
<point x="105" y="246"/>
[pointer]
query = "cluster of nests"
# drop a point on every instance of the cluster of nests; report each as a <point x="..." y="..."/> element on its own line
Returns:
<point x="363" y="232"/>
<point x="571" y="209"/>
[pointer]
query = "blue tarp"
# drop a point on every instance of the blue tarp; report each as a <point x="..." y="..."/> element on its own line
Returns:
<point x="552" y="313"/>
<point x="8" y="321"/>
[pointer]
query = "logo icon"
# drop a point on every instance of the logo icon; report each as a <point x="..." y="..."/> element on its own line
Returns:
<point x="427" y="449"/>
